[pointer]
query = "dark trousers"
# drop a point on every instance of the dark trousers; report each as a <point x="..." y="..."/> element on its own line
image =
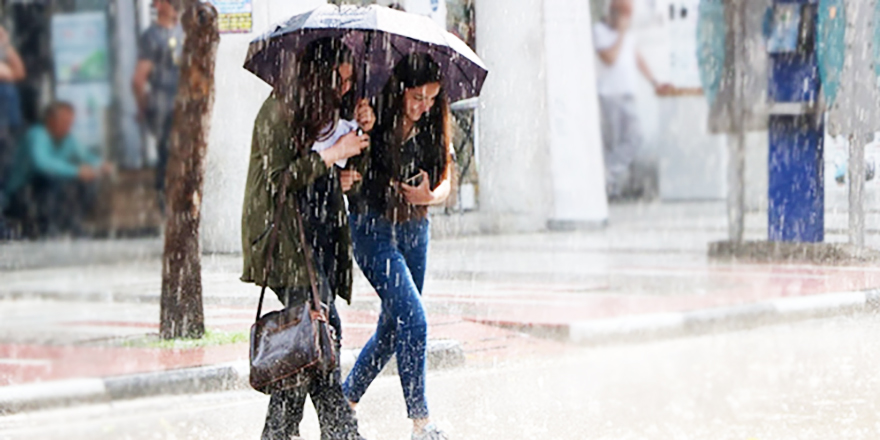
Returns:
<point x="7" y="156"/>
<point x="622" y="140"/>
<point x="285" y="411"/>
<point x="49" y="206"/>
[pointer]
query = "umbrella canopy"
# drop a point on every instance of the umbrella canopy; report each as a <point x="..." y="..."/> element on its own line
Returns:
<point x="379" y="37"/>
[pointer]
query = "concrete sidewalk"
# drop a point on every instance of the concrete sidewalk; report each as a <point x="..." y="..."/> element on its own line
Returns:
<point x="646" y="275"/>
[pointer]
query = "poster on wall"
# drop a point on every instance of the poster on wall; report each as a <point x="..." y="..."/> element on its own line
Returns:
<point x="236" y="16"/>
<point x="82" y="72"/>
<point x="79" y="47"/>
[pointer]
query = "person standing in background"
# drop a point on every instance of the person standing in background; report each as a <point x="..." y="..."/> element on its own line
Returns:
<point x="617" y="79"/>
<point x="12" y="70"/>
<point x="159" y="53"/>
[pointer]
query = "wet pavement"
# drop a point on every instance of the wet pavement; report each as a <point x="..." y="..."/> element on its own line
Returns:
<point x="808" y="380"/>
<point x="52" y="340"/>
<point x="69" y="321"/>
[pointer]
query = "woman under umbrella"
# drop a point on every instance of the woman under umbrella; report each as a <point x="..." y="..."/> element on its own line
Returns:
<point x="302" y="110"/>
<point x="408" y="169"/>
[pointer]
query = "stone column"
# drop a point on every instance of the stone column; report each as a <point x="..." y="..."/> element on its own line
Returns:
<point x="540" y="142"/>
<point x="574" y="136"/>
<point x="514" y="163"/>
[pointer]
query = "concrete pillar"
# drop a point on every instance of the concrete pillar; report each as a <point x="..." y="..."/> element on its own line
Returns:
<point x="575" y="138"/>
<point x="540" y="142"/>
<point x="239" y="97"/>
<point x="127" y="134"/>
<point x="856" y="175"/>
<point x="514" y="163"/>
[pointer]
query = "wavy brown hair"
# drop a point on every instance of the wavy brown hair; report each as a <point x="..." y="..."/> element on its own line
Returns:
<point x="415" y="70"/>
<point x="309" y="89"/>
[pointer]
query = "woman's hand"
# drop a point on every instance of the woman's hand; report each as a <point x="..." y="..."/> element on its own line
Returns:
<point x="419" y="195"/>
<point x="6" y="73"/>
<point x="108" y="169"/>
<point x="364" y="115"/>
<point x="348" y="178"/>
<point x="346" y="147"/>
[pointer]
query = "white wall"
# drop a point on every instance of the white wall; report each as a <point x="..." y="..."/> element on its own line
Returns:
<point x="514" y="162"/>
<point x="436" y="9"/>
<point x="238" y="99"/>
<point x="692" y="162"/>
<point x="574" y="131"/>
<point x="757" y="170"/>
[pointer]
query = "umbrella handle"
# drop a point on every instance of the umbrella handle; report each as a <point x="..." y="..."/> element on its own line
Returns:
<point x="368" y="48"/>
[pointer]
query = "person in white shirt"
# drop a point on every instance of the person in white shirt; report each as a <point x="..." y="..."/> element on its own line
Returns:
<point x="617" y="79"/>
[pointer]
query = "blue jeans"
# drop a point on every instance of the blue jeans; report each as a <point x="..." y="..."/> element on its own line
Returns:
<point x="393" y="258"/>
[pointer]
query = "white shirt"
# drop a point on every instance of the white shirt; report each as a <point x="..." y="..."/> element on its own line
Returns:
<point x="343" y="128"/>
<point x="621" y="77"/>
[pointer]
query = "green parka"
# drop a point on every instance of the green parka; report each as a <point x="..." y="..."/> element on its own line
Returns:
<point x="272" y="152"/>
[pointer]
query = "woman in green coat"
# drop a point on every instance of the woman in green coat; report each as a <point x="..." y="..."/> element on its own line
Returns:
<point x="303" y="109"/>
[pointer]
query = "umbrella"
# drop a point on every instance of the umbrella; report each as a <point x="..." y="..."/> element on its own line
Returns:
<point x="379" y="37"/>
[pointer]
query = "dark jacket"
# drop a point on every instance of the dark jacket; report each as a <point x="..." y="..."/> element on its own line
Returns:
<point x="382" y="165"/>
<point x="272" y="153"/>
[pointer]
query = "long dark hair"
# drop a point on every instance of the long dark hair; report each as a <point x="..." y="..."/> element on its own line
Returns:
<point x="310" y="92"/>
<point x="415" y="70"/>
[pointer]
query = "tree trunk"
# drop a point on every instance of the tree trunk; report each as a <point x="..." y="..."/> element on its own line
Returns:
<point x="182" y="313"/>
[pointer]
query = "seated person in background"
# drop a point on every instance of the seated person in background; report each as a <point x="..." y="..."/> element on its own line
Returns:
<point x="54" y="178"/>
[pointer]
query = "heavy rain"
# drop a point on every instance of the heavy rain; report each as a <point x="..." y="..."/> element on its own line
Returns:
<point x="439" y="219"/>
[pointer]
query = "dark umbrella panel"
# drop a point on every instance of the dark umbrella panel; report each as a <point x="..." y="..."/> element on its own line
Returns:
<point x="379" y="37"/>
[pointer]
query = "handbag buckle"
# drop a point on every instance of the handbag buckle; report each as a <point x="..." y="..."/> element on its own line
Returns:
<point x="317" y="315"/>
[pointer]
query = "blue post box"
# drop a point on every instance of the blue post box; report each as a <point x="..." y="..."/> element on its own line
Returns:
<point x="796" y="191"/>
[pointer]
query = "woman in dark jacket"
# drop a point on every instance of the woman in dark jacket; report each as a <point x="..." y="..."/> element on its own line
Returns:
<point x="303" y="108"/>
<point x="408" y="170"/>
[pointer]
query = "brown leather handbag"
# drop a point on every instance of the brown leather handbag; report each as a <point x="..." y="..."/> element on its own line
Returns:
<point x="289" y="344"/>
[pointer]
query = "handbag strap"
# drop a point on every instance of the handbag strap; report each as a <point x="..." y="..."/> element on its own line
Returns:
<point x="273" y="241"/>
<point x="273" y="238"/>
<point x="310" y="266"/>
